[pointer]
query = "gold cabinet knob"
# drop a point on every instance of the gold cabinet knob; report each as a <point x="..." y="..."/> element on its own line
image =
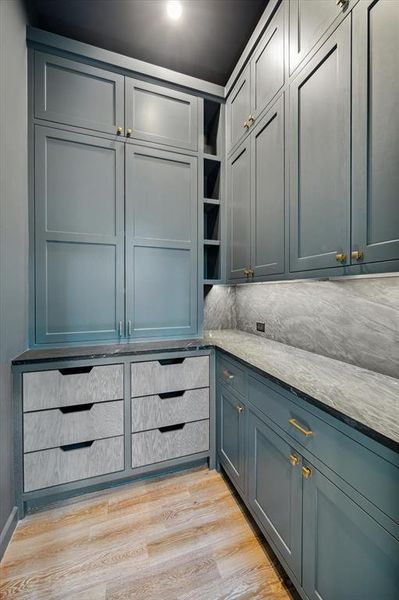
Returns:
<point x="340" y="257"/>
<point x="251" y="272"/>
<point x="240" y="409"/>
<point x="251" y="120"/>
<point x="357" y="255"/>
<point x="246" y="125"/>
<point x="306" y="472"/>
<point x="294" y="460"/>
<point x="119" y="131"/>
<point x="342" y="3"/>
<point x="227" y="375"/>
<point x="129" y="132"/>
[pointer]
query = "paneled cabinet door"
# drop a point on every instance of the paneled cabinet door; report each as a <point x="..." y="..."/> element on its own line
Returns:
<point x="347" y="555"/>
<point x="267" y="177"/>
<point x="161" y="243"/>
<point x="319" y="135"/>
<point x="231" y="419"/>
<point x="76" y="94"/>
<point x="158" y="114"/>
<point x="238" y="109"/>
<point x="375" y="131"/>
<point x="79" y="236"/>
<point x="275" y="490"/>
<point x="239" y="199"/>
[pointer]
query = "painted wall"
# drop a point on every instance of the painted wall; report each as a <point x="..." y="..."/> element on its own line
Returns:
<point x="13" y="231"/>
<point x="354" y="320"/>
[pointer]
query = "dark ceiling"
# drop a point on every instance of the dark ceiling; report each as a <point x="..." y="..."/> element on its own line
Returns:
<point x="205" y="42"/>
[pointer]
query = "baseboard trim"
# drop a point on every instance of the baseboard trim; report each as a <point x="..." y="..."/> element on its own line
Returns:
<point x="8" y="530"/>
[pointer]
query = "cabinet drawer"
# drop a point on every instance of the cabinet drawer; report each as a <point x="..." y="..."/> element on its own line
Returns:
<point x="231" y="375"/>
<point x="169" y="375"/>
<point x="154" y="446"/>
<point x="70" y="425"/>
<point x="74" y="385"/>
<point x="70" y="463"/>
<point x="150" y="412"/>
<point x="373" y="476"/>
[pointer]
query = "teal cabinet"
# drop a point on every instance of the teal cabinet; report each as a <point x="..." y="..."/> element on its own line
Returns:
<point x="347" y="554"/>
<point x="76" y="94"/>
<point x="161" y="243"/>
<point x="319" y="136"/>
<point x="375" y="128"/>
<point x="238" y="109"/>
<point x="275" y="490"/>
<point x="79" y="237"/>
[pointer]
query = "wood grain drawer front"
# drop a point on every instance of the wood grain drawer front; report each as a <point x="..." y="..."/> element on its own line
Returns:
<point x="151" y="412"/>
<point x="374" y="477"/>
<point x="61" y="426"/>
<point x="169" y="375"/>
<point x="47" y="468"/>
<point x="231" y="375"/>
<point x="74" y="385"/>
<point x="149" y="447"/>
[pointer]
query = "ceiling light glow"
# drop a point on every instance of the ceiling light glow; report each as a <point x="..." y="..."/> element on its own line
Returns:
<point x="174" y="9"/>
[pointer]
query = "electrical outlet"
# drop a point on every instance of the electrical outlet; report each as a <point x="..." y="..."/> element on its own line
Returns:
<point x="260" y="327"/>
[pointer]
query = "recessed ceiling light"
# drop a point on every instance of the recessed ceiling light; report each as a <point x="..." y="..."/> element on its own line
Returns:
<point x="174" y="9"/>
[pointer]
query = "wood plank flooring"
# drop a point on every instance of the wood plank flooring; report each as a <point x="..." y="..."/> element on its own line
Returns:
<point x="178" y="537"/>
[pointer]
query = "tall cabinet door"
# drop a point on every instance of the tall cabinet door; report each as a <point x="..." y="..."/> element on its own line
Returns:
<point x="231" y="420"/>
<point x="347" y="555"/>
<point x="320" y="157"/>
<point x="267" y="175"/>
<point x="79" y="237"/>
<point x="161" y="243"/>
<point x="239" y="191"/>
<point x="275" y="490"/>
<point x="375" y="133"/>
<point x="238" y="109"/>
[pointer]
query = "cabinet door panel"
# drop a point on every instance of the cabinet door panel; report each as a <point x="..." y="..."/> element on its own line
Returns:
<point x="161" y="238"/>
<point x="79" y="236"/>
<point x="275" y="490"/>
<point x="238" y="109"/>
<point x="158" y="114"/>
<point x="240" y="211"/>
<point x="375" y="215"/>
<point x="347" y="555"/>
<point x="76" y="94"/>
<point x="267" y="175"/>
<point x="320" y="157"/>
<point x="231" y="435"/>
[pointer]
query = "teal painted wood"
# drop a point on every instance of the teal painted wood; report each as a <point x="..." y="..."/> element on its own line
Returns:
<point x="76" y="94"/>
<point x="375" y="130"/>
<point x="79" y="236"/>
<point x="238" y="109"/>
<point x="268" y="192"/>
<point x="347" y="555"/>
<point x="232" y="375"/>
<point x="161" y="243"/>
<point x="239" y="219"/>
<point x="320" y="156"/>
<point x="161" y="115"/>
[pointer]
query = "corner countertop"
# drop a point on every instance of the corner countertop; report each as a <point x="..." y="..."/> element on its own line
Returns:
<point x="363" y="399"/>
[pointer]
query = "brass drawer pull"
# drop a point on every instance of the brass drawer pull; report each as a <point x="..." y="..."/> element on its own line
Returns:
<point x="227" y="374"/>
<point x="119" y="131"/>
<point x="240" y="409"/>
<point x="294" y="460"/>
<point x="306" y="432"/>
<point x="306" y="472"/>
<point x="357" y="255"/>
<point x="341" y="257"/>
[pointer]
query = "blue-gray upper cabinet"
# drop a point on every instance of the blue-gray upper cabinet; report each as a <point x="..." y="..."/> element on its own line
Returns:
<point x="319" y="137"/>
<point x="161" y="243"/>
<point x="79" y="236"/>
<point x="268" y="204"/>
<point x="347" y="554"/>
<point x="73" y="93"/>
<point x="267" y="64"/>
<point x="239" y="195"/>
<point x="238" y="110"/>
<point x="275" y="490"/>
<point x="161" y="115"/>
<point x="375" y="132"/>
<point x="308" y="21"/>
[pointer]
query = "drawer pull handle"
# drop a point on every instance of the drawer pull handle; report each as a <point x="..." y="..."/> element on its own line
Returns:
<point x="227" y="374"/>
<point x="166" y="395"/>
<point x="306" y="472"/>
<point x="75" y="370"/>
<point x="70" y="447"/>
<point x="76" y="408"/>
<point x="171" y="427"/>
<point x="170" y="361"/>
<point x="306" y="432"/>
<point x="294" y="460"/>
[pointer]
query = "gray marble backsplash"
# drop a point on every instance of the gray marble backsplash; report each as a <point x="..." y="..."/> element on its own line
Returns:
<point x="353" y="320"/>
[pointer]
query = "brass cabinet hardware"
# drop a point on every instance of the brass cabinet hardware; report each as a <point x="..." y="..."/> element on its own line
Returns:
<point x="306" y="432"/>
<point x="249" y="272"/>
<point x="120" y="328"/>
<point x="227" y="374"/>
<point x="246" y="125"/>
<point x="294" y="460"/>
<point x="357" y="255"/>
<point x="129" y="328"/>
<point x="342" y="3"/>
<point x="306" y="472"/>
<point x="251" y="120"/>
<point x="240" y="409"/>
<point x="340" y="257"/>
<point x="129" y="132"/>
<point x="119" y="131"/>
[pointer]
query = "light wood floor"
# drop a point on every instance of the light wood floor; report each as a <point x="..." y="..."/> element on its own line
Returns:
<point x="180" y="537"/>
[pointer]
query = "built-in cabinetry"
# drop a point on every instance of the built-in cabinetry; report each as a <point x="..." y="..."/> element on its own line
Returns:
<point x="324" y="495"/>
